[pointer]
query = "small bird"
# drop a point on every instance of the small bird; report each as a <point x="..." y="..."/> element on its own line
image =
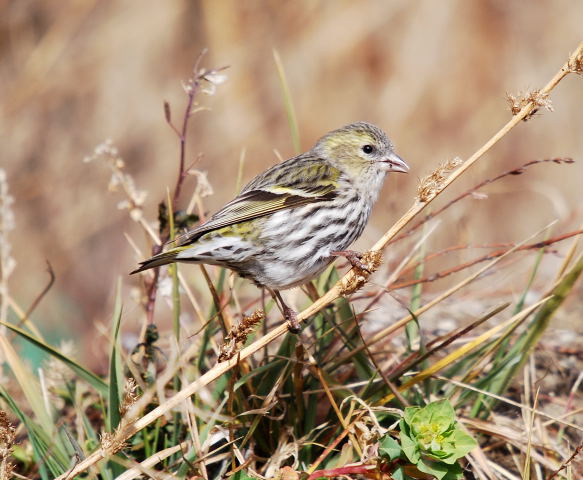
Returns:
<point x="291" y="221"/>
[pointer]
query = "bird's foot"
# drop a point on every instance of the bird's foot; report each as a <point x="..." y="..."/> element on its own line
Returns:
<point x="354" y="258"/>
<point x="291" y="317"/>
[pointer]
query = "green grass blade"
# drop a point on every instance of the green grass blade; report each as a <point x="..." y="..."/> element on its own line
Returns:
<point x="47" y="452"/>
<point x="115" y="366"/>
<point x="174" y="274"/>
<point x="515" y="358"/>
<point x="289" y="106"/>
<point x="85" y="374"/>
<point x="29" y="385"/>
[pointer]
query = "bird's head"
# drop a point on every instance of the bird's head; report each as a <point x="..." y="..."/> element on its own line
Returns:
<point x="358" y="148"/>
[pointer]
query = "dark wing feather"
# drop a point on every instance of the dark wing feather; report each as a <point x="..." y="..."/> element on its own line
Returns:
<point x="309" y="183"/>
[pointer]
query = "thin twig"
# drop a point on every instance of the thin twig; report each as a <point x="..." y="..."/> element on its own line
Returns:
<point x="484" y="258"/>
<point x="192" y="88"/>
<point x="567" y="462"/>
<point x="515" y="171"/>
<point x="42" y="294"/>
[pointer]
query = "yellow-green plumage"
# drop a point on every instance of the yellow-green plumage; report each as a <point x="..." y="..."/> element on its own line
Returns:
<point x="285" y="225"/>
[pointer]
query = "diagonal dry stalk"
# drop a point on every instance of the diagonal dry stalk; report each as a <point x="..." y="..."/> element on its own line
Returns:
<point x="429" y="194"/>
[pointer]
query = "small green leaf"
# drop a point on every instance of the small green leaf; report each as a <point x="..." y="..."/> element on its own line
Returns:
<point x="437" y="418"/>
<point x="434" y="432"/>
<point x="439" y="470"/>
<point x="460" y="444"/>
<point x="410" y="413"/>
<point x="408" y="444"/>
<point x="241" y="475"/>
<point x="390" y="448"/>
<point x="399" y="474"/>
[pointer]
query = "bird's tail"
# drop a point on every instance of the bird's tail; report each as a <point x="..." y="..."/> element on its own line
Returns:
<point x="163" y="258"/>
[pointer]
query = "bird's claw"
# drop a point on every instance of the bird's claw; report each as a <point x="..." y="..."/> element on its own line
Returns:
<point x="354" y="258"/>
<point x="291" y="317"/>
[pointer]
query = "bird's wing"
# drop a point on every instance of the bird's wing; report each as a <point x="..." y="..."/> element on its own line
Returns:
<point x="310" y="184"/>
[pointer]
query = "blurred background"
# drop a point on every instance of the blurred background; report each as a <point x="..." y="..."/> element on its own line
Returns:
<point x="432" y="74"/>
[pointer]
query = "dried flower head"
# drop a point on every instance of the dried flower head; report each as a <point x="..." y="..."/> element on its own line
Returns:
<point x="372" y="260"/>
<point x="576" y="64"/>
<point x="7" y="439"/>
<point x="203" y="187"/>
<point x="110" y="444"/>
<point x="238" y="335"/>
<point x="7" y="263"/>
<point x="535" y="97"/>
<point x="432" y="184"/>
<point x="205" y="79"/>
<point x="211" y="79"/>
<point x="130" y="396"/>
<point x="57" y="374"/>
<point x="134" y="202"/>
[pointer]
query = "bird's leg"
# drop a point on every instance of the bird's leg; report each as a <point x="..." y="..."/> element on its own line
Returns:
<point x="290" y="315"/>
<point x="353" y="257"/>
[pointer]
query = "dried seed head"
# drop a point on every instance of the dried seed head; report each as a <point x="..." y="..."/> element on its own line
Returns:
<point x="110" y="444"/>
<point x="536" y="97"/>
<point x="372" y="260"/>
<point x="7" y="262"/>
<point x="7" y="436"/>
<point x="433" y="183"/>
<point x="130" y="396"/>
<point x="7" y="439"/>
<point x="238" y="335"/>
<point x="576" y="64"/>
<point x="109" y="154"/>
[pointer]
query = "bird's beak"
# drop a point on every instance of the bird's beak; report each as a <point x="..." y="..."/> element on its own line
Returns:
<point x="396" y="163"/>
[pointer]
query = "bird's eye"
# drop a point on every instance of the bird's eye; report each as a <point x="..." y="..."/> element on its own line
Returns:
<point x="368" y="149"/>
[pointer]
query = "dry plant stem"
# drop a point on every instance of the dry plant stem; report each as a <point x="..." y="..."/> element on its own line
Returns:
<point x="23" y="318"/>
<point x="471" y="263"/>
<point x="568" y="258"/>
<point x="415" y="359"/>
<point x="418" y="206"/>
<point x="392" y="387"/>
<point x="151" y="461"/>
<point x="315" y="369"/>
<point x="403" y="321"/>
<point x="129" y="430"/>
<point x="194" y="85"/>
<point x="463" y="350"/>
<point x="182" y="134"/>
<point x="41" y="295"/>
<point x="567" y="462"/>
<point x="217" y="301"/>
<point x="475" y="422"/>
<point x="515" y="171"/>
<point x="333" y="445"/>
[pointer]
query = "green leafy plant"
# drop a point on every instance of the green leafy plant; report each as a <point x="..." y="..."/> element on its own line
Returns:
<point x="431" y="439"/>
